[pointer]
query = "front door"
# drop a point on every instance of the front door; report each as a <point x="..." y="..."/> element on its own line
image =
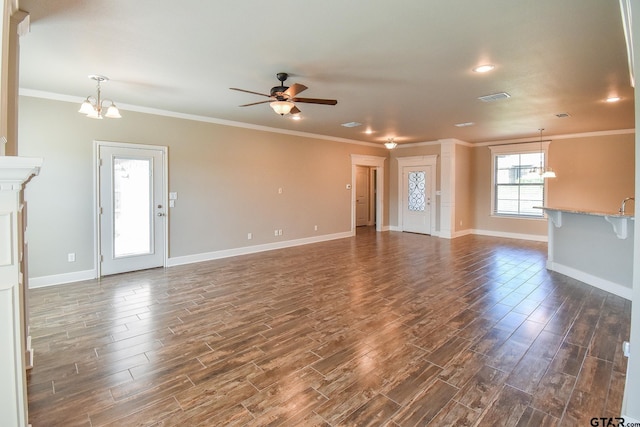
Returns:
<point x="416" y="199"/>
<point x="131" y="206"/>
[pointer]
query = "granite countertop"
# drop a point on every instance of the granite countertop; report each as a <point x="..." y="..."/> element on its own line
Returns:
<point x="585" y="212"/>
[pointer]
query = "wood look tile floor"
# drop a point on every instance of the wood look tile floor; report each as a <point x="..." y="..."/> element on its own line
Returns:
<point x="389" y="328"/>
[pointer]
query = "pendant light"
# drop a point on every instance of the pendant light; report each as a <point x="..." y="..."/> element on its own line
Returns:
<point x="390" y="144"/>
<point x="548" y="172"/>
<point x="92" y="105"/>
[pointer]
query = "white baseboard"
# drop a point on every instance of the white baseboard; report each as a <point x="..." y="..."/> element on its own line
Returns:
<point x="533" y="237"/>
<point x="455" y="234"/>
<point x="58" y="279"/>
<point x="589" y="279"/>
<point x="226" y="253"/>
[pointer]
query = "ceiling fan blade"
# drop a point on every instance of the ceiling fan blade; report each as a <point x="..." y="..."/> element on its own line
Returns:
<point x="295" y="110"/>
<point x="254" y="103"/>
<point x="316" y="101"/>
<point x="295" y="89"/>
<point x="249" y="91"/>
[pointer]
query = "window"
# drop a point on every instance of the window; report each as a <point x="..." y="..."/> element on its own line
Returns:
<point x="518" y="188"/>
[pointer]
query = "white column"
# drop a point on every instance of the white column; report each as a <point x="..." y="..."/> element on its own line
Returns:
<point x="447" y="188"/>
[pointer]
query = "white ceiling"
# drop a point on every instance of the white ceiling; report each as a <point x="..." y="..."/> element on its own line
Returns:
<point x="402" y="68"/>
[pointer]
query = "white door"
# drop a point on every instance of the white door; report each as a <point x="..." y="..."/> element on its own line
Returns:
<point x="131" y="202"/>
<point x="416" y="199"/>
<point x="362" y="196"/>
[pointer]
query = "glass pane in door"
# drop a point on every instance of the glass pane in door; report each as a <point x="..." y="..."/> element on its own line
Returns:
<point x="416" y="191"/>
<point x="132" y="210"/>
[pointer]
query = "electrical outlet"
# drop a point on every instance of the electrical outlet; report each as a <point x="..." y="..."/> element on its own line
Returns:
<point x="280" y="232"/>
<point x="280" y="190"/>
<point x="275" y="233"/>
<point x="249" y="236"/>
<point x="315" y="227"/>
<point x="71" y="257"/>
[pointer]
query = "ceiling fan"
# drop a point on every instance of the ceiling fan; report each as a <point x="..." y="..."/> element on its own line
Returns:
<point x="283" y="98"/>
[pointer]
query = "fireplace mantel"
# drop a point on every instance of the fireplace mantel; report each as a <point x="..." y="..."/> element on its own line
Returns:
<point x="16" y="354"/>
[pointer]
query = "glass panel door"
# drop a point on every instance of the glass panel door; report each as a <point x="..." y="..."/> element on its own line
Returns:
<point x="131" y="203"/>
<point x="132" y="210"/>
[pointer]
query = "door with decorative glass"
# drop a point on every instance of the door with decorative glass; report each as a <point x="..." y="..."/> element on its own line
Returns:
<point x="131" y="208"/>
<point x="416" y="199"/>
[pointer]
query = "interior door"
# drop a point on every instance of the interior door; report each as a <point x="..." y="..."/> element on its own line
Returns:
<point x="131" y="206"/>
<point x="362" y="196"/>
<point x="416" y="199"/>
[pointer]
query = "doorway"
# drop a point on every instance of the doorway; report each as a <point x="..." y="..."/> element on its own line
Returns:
<point x="365" y="196"/>
<point x="375" y="165"/>
<point x="131" y="207"/>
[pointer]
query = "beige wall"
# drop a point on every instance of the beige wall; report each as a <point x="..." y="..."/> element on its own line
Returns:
<point x="594" y="173"/>
<point x="227" y="180"/>
<point x="483" y="221"/>
<point x="464" y="195"/>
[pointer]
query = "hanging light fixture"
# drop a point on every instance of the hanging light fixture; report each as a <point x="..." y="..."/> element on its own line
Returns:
<point x="282" y="107"/>
<point x="540" y="170"/>
<point x="93" y="105"/>
<point x="390" y="144"/>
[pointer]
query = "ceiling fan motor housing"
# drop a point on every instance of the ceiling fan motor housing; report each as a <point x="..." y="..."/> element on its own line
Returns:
<point x="278" y="92"/>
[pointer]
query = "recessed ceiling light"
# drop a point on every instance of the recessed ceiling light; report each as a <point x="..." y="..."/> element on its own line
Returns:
<point x="351" y="124"/>
<point x="613" y="99"/>
<point x="483" y="68"/>
<point x="368" y="131"/>
<point x="462" y="125"/>
<point x="296" y="117"/>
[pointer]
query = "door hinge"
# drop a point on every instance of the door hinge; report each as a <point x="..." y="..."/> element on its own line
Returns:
<point x="101" y="258"/>
<point x="99" y="162"/>
<point x="100" y="210"/>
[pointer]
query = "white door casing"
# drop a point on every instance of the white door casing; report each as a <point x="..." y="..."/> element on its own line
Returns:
<point x="131" y="207"/>
<point x="377" y="163"/>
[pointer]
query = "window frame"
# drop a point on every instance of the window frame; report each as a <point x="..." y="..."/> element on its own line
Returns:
<point x="512" y="149"/>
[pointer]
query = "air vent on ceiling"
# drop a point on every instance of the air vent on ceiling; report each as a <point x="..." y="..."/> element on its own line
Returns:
<point x="562" y="115"/>
<point x="351" y="124"/>
<point x="494" y="97"/>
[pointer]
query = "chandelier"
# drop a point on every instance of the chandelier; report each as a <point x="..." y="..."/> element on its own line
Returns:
<point x="390" y="144"/>
<point x="93" y="105"/>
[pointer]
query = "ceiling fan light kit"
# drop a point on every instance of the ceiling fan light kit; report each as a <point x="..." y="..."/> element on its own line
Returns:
<point x="282" y="107"/>
<point x="93" y="107"/>
<point x="282" y="99"/>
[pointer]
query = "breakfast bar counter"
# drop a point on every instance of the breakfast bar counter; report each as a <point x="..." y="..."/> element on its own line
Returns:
<point x="593" y="247"/>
